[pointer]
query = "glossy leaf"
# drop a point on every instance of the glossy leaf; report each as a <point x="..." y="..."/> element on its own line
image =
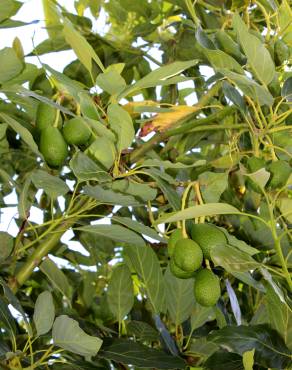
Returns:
<point x="52" y="185"/>
<point x="117" y="233"/>
<point x="44" y="313"/>
<point x="259" y="59"/>
<point x="270" y="349"/>
<point x="209" y="209"/>
<point x="232" y="259"/>
<point x="56" y="277"/>
<point x="11" y="65"/>
<point x="121" y="124"/>
<point x="120" y="295"/>
<point x="136" y="354"/>
<point x="68" y="335"/>
<point x="179" y="297"/>
<point x="145" y="262"/>
<point x="81" y="47"/>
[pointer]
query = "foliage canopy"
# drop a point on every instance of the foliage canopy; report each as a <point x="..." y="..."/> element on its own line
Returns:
<point x="123" y="148"/>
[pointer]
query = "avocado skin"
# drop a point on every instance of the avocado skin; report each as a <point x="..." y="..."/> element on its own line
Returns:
<point x="53" y="146"/>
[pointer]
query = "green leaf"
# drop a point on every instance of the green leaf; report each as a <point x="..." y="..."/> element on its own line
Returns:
<point x="22" y="131"/>
<point x="284" y="18"/>
<point x="212" y="185"/>
<point x="201" y="315"/>
<point x="121" y="124"/>
<point x="168" y="190"/>
<point x="81" y="47"/>
<point x="115" y="232"/>
<point x="87" y="106"/>
<point x="86" y="169"/>
<point x="57" y="277"/>
<point x="139" y="228"/>
<point x="13" y="300"/>
<point x="52" y="18"/>
<point x="145" y="262"/>
<point x="258" y="57"/>
<point x="6" y="319"/>
<point x="250" y="87"/>
<point x="142" y="330"/>
<point x="286" y="91"/>
<point x="120" y="294"/>
<point x="239" y="244"/>
<point x="158" y="76"/>
<point x="23" y="202"/>
<point x="168" y="164"/>
<point x="248" y="359"/>
<point x="260" y="177"/>
<point x="280" y="317"/>
<point x="68" y="335"/>
<point x="136" y="354"/>
<point x="103" y="151"/>
<point x="142" y="192"/>
<point x="270" y="349"/>
<point x="52" y="185"/>
<point x="44" y="313"/>
<point x="232" y="259"/>
<point x="209" y="209"/>
<point x="220" y="60"/>
<point x="222" y="360"/>
<point x="179" y="297"/>
<point x="285" y="206"/>
<point x="108" y="196"/>
<point x="6" y="245"/>
<point x="111" y="81"/>
<point x="9" y="8"/>
<point x="11" y="65"/>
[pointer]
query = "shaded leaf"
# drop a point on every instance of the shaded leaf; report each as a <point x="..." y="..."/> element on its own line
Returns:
<point x="44" y="313"/>
<point x="6" y="245"/>
<point x="56" y="277"/>
<point x="139" y="228"/>
<point x="52" y="185"/>
<point x="115" y="232"/>
<point x="145" y="262"/>
<point x="121" y="124"/>
<point x="22" y="131"/>
<point x="212" y="185"/>
<point x="136" y="354"/>
<point x="232" y="259"/>
<point x="86" y="169"/>
<point x="222" y="360"/>
<point x="68" y="335"/>
<point x="142" y="330"/>
<point x="201" y="315"/>
<point x="270" y="349"/>
<point x="120" y="294"/>
<point x="259" y="59"/>
<point x="81" y="47"/>
<point x="179" y="297"/>
<point x="11" y="65"/>
<point x="209" y="209"/>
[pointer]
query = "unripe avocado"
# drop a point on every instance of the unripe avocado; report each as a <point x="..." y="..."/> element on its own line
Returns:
<point x="53" y="146"/>
<point x="280" y="172"/>
<point x="207" y="288"/>
<point x="281" y="52"/>
<point x="187" y="255"/>
<point x="174" y="237"/>
<point x="45" y="116"/>
<point x="178" y="272"/>
<point x="76" y="131"/>
<point x="208" y="236"/>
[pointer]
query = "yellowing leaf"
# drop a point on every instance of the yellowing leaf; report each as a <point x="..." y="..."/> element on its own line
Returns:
<point x="165" y="120"/>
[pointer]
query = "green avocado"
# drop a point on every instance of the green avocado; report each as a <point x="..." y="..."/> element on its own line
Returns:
<point x="53" y="146"/>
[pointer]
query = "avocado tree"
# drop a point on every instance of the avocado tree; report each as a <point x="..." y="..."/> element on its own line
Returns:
<point x="173" y="176"/>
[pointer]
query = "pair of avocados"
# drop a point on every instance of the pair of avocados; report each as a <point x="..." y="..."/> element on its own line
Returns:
<point x="54" y="138"/>
<point x="187" y="258"/>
